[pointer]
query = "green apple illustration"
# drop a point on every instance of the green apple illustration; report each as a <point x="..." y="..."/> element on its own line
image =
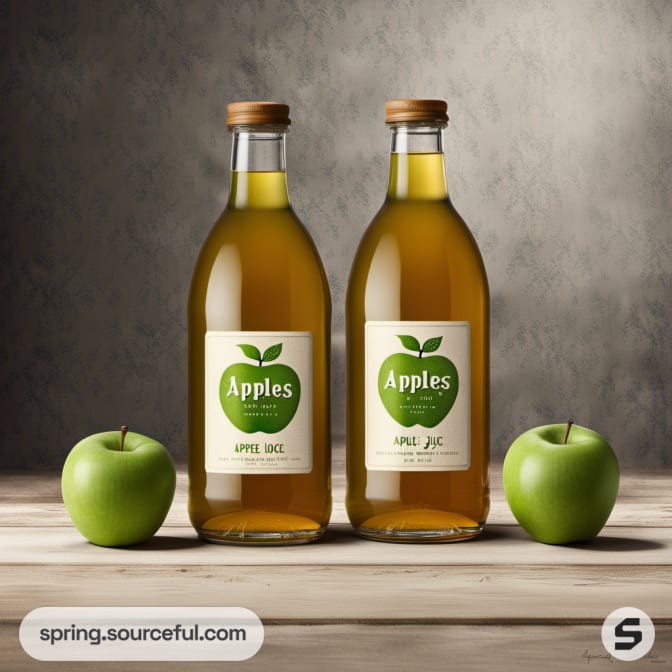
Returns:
<point x="417" y="390"/>
<point x="257" y="398"/>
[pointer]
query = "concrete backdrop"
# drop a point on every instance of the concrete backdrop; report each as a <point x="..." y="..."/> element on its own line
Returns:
<point x="114" y="165"/>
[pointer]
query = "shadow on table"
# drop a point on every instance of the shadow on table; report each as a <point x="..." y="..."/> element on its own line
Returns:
<point x="618" y="544"/>
<point x="495" y="533"/>
<point x="165" y="543"/>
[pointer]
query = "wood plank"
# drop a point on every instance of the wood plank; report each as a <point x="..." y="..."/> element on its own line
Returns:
<point x="499" y="545"/>
<point x="438" y="594"/>
<point x="384" y="648"/>
<point x="26" y="499"/>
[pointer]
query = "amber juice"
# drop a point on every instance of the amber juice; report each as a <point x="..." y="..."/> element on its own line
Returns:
<point x="418" y="262"/>
<point x="259" y="271"/>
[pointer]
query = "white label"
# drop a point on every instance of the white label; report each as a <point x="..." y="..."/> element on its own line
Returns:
<point x="141" y="633"/>
<point x="418" y="399"/>
<point x="258" y="402"/>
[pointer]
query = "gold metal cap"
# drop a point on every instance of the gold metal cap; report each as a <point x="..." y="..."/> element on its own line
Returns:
<point x="415" y="109"/>
<point x="257" y="112"/>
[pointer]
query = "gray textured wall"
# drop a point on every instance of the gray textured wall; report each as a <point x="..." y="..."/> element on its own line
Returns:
<point x="114" y="165"/>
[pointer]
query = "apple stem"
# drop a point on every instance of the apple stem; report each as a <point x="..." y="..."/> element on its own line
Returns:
<point x="124" y="429"/>
<point x="570" y="422"/>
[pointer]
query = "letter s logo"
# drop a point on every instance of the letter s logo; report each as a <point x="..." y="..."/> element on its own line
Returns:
<point x="634" y="635"/>
<point x="628" y="633"/>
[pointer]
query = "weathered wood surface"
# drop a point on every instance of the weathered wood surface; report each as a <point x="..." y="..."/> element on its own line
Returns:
<point x="392" y="647"/>
<point x="319" y="593"/>
<point x="500" y="602"/>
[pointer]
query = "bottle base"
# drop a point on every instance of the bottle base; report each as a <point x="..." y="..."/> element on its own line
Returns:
<point x="261" y="538"/>
<point x="261" y="528"/>
<point x="419" y="526"/>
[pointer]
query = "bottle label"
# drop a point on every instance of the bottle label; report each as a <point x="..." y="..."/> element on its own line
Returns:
<point x="258" y="402"/>
<point x="418" y="400"/>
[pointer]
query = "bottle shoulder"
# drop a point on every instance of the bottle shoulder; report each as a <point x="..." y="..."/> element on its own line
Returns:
<point x="410" y="240"/>
<point x="264" y="244"/>
<point x="257" y="218"/>
<point x="418" y="224"/>
<point x="417" y="210"/>
<point x="258" y="230"/>
<point x="417" y="261"/>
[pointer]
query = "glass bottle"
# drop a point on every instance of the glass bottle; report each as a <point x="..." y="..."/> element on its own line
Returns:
<point x="259" y="337"/>
<point x="418" y="352"/>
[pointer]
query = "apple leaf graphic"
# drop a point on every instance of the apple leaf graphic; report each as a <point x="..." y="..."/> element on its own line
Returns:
<point x="410" y="343"/>
<point x="432" y="344"/>
<point x="269" y="355"/>
<point x="272" y="353"/>
<point x="251" y="351"/>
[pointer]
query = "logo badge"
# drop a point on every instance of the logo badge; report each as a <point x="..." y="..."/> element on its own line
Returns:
<point x="628" y="633"/>
<point x="418" y="390"/>
<point x="258" y="398"/>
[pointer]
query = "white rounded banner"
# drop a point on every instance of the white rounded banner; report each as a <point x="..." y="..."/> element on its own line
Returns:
<point x="141" y="633"/>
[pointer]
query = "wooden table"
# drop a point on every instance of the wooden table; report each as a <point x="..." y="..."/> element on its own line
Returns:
<point x="502" y="602"/>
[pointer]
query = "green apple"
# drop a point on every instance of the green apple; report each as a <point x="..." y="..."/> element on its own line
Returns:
<point x="417" y="390"/>
<point x="561" y="490"/>
<point x="257" y="398"/>
<point x="118" y="487"/>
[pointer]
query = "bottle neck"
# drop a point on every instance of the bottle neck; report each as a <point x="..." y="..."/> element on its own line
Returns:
<point x="416" y="162"/>
<point x="258" y="172"/>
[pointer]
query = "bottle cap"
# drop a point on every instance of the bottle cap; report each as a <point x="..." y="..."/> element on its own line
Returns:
<point x="257" y="112"/>
<point x="416" y="109"/>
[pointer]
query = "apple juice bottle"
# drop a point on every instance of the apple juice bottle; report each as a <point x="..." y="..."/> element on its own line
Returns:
<point x="418" y="349"/>
<point x="259" y="331"/>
